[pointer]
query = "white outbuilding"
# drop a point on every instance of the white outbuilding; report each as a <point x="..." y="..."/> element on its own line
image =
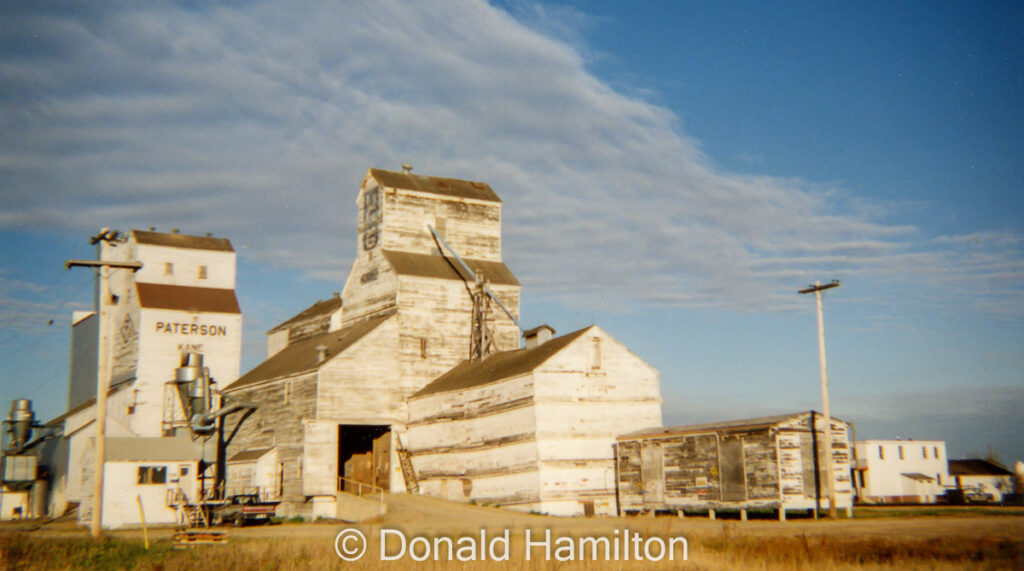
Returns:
<point x="901" y="471"/>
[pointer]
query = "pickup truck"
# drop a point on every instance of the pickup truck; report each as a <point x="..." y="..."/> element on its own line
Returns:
<point x="242" y="509"/>
<point x="967" y="496"/>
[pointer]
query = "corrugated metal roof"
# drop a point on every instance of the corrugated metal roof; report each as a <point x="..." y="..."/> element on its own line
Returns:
<point x="185" y="298"/>
<point x="977" y="467"/>
<point x="183" y="241"/>
<point x="441" y="267"/>
<point x="435" y="185"/>
<point x="249" y="455"/>
<point x="128" y="449"/>
<point x="303" y="356"/>
<point x="320" y="308"/>
<point x="743" y="424"/>
<point x="498" y="366"/>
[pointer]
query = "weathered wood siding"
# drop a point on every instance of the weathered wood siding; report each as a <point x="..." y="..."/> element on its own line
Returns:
<point x="542" y="441"/>
<point x="472" y="227"/>
<point x="435" y="320"/>
<point x="285" y="405"/>
<point x="777" y="461"/>
<point x="363" y="384"/>
<point x="587" y="394"/>
<point x="370" y="289"/>
<point x="319" y="458"/>
<point x="477" y="444"/>
<point x="841" y="459"/>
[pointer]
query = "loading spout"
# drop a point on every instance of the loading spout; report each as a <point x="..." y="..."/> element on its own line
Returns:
<point x="196" y="389"/>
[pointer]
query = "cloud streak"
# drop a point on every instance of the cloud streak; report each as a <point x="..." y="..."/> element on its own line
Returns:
<point x="257" y="122"/>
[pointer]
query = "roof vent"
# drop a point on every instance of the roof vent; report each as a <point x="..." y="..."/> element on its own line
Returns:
<point x="538" y="336"/>
<point x="321" y="353"/>
<point x="407" y="168"/>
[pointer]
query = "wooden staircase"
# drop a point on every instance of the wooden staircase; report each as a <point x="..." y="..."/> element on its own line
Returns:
<point x="412" y="485"/>
<point x="189" y="515"/>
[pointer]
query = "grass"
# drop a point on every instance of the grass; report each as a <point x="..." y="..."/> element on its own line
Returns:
<point x="828" y="551"/>
<point x="724" y="550"/>
<point x="895" y="511"/>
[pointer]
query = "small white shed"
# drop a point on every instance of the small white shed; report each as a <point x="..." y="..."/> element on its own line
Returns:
<point x="152" y="471"/>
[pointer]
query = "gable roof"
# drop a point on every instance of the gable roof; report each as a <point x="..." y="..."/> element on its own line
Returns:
<point x="498" y="366"/>
<point x="727" y="425"/>
<point x="186" y="298"/>
<point x="183" y="241"/>
<point x="442" y="267"/>
<point x="321" y="308"/>
<point x="436" y="185"/>
<point x="251" y="455"/>
<point x="977" y="467"/>
<point x="303" y="356"/>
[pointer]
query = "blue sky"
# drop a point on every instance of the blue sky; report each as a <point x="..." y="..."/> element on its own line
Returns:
<point x="672" y="171"/>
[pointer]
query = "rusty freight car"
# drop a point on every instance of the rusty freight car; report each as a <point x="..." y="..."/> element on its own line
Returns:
<point x="771" y="463"/>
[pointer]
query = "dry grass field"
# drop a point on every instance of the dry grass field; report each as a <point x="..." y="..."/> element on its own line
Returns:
<point x="879" y="538"/>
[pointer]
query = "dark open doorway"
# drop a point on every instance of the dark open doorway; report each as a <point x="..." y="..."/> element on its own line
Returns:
<point x="364" y="456"/>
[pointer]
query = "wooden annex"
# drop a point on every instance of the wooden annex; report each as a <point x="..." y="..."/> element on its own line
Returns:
<point x="534" y="429"/>
<point x="773" y="463"/>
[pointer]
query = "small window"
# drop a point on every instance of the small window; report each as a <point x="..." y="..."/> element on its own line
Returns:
<point x="595" y="353"/>
<point x="936" y="451"/>
<point x="938" y="478"/>
<point x="423" y="347"/>
<point x="924" y="452"/>
<point x="168" y="269"/>
<point x="152" y="475"/>
<point x="901" y="452"/>
<point x="202" y="272"/>
<point x="881" y="453"/>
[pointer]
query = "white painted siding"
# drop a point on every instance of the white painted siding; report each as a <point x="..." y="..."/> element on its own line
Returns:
<point x="122" y="492"/>
<point x="889" y="466"/>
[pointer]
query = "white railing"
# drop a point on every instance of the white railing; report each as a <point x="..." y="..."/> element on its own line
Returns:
<point x="359" y="488"/>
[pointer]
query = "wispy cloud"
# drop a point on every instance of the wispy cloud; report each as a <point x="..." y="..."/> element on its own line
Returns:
<point x="257" y="122"/>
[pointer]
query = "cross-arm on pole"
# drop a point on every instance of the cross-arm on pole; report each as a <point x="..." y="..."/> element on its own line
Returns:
<point x="816" y="289"/>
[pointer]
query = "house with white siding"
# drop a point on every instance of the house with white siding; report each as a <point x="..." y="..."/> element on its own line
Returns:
<point x="901" y="471"/>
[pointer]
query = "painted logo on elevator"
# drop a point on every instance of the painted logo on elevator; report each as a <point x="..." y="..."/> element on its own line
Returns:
<point x="198" y="329"/>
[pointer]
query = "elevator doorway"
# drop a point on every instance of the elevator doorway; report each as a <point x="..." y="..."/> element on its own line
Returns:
<point x="364" y="457"/>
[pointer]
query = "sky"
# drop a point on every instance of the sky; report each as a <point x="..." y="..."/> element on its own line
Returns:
<point x="672" y="171"/>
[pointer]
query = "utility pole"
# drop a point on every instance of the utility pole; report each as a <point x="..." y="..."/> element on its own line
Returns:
<point x="103" y="369"/>
<point x="816" y="289"/>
